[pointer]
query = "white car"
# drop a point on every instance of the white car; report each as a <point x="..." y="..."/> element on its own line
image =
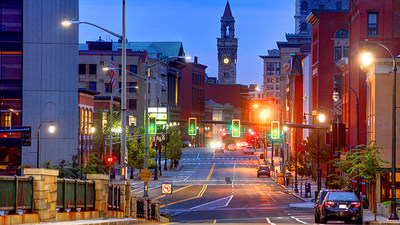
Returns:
<point x="249" y="150"/>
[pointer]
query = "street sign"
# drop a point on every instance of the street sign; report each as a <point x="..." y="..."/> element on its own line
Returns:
<point x="146" y="175"/>
<point x="166" y="188"/>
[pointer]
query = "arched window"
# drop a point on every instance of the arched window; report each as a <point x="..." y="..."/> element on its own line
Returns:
<point x="304" y="8"/>
<point x="227" y="31"/>
<point x="303" y="27"/>
<point x="339" y="5"/>
<point x="342" y="33"/>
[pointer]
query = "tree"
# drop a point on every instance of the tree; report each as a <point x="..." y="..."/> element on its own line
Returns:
<point x="136" y="151"/>
<point x="94" y="165"/>
<point x="174" y="146"/>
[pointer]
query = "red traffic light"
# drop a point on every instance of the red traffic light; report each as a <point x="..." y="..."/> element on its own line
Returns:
<point x="110" y="160"/>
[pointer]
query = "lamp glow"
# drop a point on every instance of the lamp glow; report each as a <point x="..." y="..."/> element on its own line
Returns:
<point x="321" y="117"/>
<point x="52" y="128"/>
<point x="66" y="23"/>
<point x="285" y="128"/>
<point x="366" y="58"/>
<point x="335" y="96"/>
<point x="92" y="130"/>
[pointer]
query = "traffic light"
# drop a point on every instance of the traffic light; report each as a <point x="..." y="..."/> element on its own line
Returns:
<point x="235" y="128"/>
<point x="275" y="130"/>
<point x="26" y="138"/>
<point x="192" y="126"/>
<point x="152" y="125"/>
<point x="110" y="160"/>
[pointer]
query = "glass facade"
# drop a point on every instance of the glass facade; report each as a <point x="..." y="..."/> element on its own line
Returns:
<point x="10" y="84"/>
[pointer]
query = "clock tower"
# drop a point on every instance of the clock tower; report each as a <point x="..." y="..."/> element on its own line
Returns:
<point x="227" y="48"/>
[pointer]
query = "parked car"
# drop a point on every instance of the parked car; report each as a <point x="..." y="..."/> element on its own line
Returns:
<point x="341" y="205"/>
<point x="219" y="150"/>
<point x="232" y="147"/>
<point x="249" y="150"/>
<point x="187" y="144"/>
<point x="318" y="204"/>
<point x="263" y="170"/>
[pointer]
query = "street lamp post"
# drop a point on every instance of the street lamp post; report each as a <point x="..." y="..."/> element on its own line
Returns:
<point x="367" y="59"/>
<point x="52" y="129"/>
<point x="336" y="98"/>
<point x="123" y="79"/>
<point x="285" y="129"/>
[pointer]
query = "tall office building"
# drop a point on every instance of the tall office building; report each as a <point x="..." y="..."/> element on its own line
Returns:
<point x="38" y="79"/>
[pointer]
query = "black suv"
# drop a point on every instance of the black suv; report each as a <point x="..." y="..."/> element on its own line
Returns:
<point x="340" y="205"/>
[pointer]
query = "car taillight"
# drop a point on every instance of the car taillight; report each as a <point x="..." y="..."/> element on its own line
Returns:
<point x="329" y="204"/>
<point x="356" y="204"/>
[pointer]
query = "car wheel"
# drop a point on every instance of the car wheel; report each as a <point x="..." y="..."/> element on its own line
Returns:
<point x="323" y="220"/>
<point x="359" y="221"/>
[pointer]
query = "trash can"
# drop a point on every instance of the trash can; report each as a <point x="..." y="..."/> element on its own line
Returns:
<point x="281" y="179"/>
<point x="307" y="189"/>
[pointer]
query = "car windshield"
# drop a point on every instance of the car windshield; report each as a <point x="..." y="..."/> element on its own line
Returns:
<point x="263" y="168"/>
<point x="341" y="196"/>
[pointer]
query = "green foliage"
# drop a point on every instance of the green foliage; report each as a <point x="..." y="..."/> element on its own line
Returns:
<point x="174" y="147"/>
<point x="95" y="165"/>
<point x="136" y="151"/>
<point x="364" y="161"/>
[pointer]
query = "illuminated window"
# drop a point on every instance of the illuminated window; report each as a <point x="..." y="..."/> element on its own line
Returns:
<point x="132" y="120"/>
<point x="5" y="119"/>
<point x="104" y="119"/>
<point x="372" y="26"/>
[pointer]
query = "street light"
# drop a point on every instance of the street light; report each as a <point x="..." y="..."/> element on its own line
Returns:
<point x="52" y="129"/>
<point x="336" y="96"/>
<point x="264" y="114"/>
<point x="367" y="59"/>
<point x="123" y="79"/>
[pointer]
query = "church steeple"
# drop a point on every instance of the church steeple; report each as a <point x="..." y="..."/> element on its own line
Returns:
<point x="227" y="12"/>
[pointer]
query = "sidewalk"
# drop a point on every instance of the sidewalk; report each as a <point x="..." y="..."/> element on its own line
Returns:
<point x="368" y="216"/>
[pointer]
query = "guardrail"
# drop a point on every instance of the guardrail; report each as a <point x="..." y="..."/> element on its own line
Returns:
<point x="74" y="194"/>
<point x="16" y="194"/>
<point x="114" y="200"/>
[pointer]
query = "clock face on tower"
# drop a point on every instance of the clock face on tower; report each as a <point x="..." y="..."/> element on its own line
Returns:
<point x="226" y="60"/>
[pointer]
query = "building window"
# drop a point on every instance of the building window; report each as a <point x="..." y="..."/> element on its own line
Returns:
<point x="133" y="68"/>
<point x="303" y="27"/>
<point x="132" y="121"/>
<point x="132" y="104"/>
<point x="104" y="119"/>
<point x="304" y="8"/>
<point x="338" y="5"/>
<point x="342" y="33"/>
<point x="270" y="68"/>
<point x="277" y="87"/>
<point x="5" y="119"/>
<point x="133" y="84"/>
<point x="338" y="53"/>
<point x="92" y="85"/>
<point x="82" y="68"/>
<point x="120" y="70"/>
<point x="108" y="87"/>
<point x="277" y="94"/>
<point x="268" y="80"/>
<point x="148" y="88"/>
<point x="346" y="51"/>
<point x="272" y="80"/>
<point x="119" y="86"/>
<point x="92" y="69"/>
<point x="278" y="69"/>
<point x="277" y="80"/>
<point x="372" y="27"/>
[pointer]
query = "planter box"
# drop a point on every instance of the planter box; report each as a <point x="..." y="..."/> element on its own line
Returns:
<point x="383" y="210"/>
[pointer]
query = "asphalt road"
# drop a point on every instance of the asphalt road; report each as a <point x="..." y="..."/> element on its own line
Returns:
<point x="224" y="188"/>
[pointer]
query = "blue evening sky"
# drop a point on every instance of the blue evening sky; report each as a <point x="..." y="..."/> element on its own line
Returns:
<point x="259" y="24"/>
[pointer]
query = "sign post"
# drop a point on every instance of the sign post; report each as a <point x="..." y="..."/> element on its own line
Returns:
<point x="166" y="188"/>
<point x="145" y="175"/>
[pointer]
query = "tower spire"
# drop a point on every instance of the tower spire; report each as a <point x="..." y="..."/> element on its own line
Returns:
<point x="227" y="12"/>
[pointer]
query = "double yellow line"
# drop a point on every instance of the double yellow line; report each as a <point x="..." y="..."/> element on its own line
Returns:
<point x="198" y="196"/>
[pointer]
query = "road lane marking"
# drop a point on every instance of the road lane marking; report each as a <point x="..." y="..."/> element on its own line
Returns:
<point x="218" y="200"/>
<point x="213" y="155"/>
<point x="198" y="196"/>
<point x="298" y="220"/>
<point x="269" y="221"/>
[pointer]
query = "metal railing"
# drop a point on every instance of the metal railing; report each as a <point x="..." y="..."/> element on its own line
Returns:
<point x="74" y="194"/>
<point x="114" y="193"/>
<point x="16" y="194"/>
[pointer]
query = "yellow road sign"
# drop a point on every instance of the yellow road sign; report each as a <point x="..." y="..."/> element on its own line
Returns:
<point x="146" y="175"/>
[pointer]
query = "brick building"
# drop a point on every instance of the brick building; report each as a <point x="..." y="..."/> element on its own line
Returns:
<point x="376" y="21"/>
